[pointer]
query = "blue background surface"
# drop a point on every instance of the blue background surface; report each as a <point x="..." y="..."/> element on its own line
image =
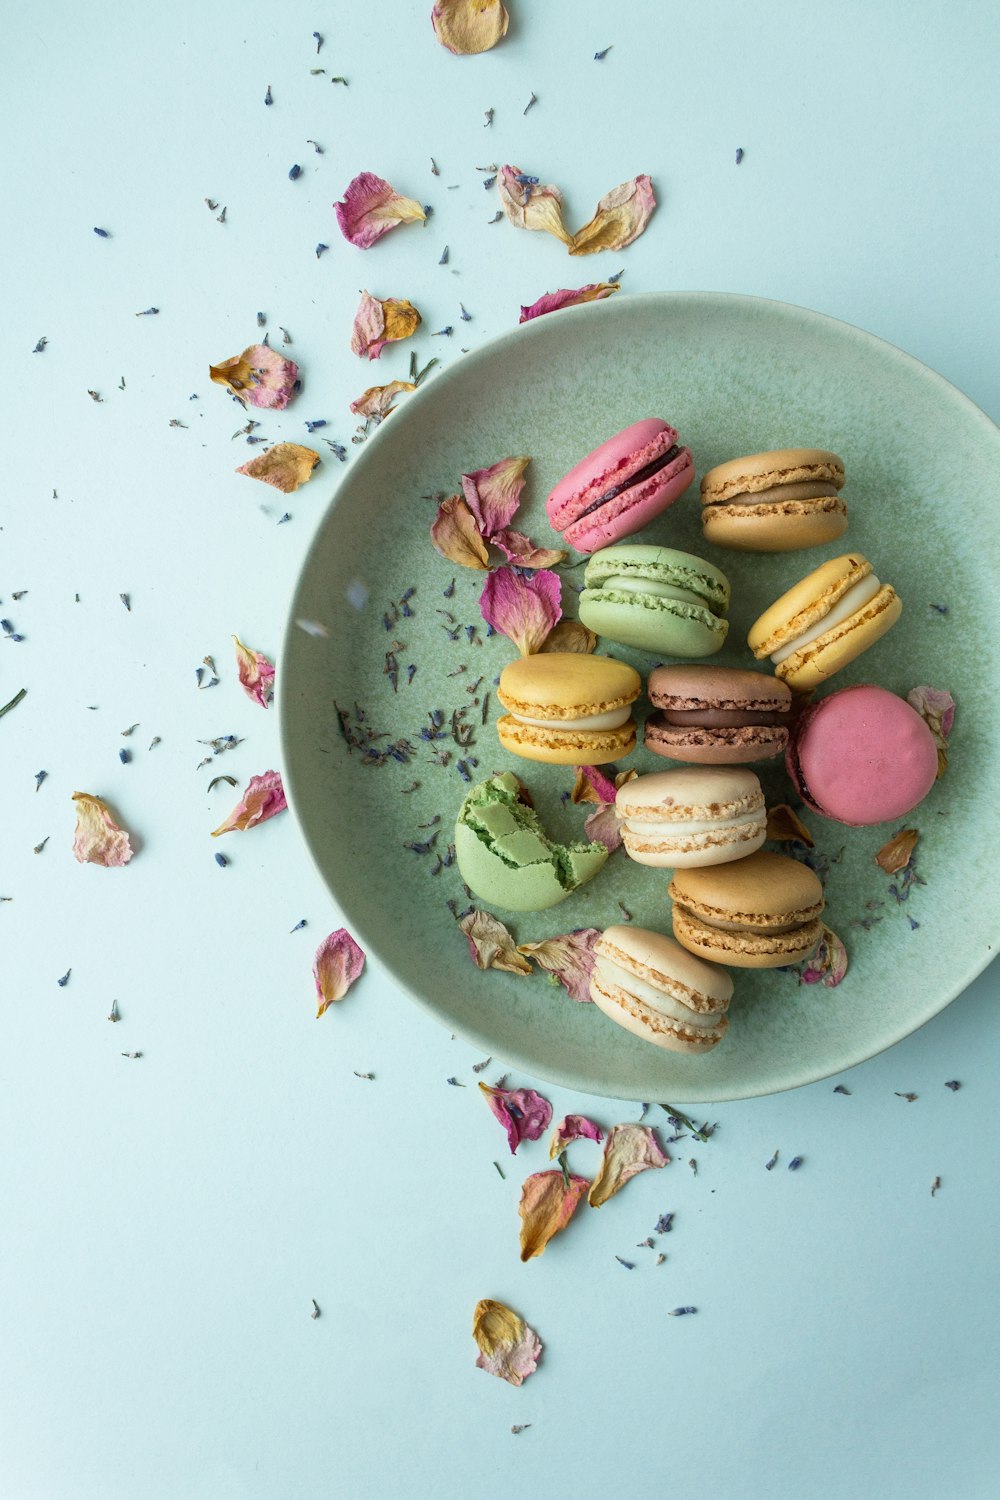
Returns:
<point x="167" y="1220"/>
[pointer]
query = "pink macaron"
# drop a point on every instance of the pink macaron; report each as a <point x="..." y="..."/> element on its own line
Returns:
<point x="621" y="486"/>
<point x="862" y="755"/>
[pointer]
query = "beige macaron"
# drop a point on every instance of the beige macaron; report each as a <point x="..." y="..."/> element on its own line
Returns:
<point x="696" y="815"/>
<point x="758" y="913"/>
<point x="826" y="620"/>
<point x="650" y="985"/>
<point x="778" y="501"/>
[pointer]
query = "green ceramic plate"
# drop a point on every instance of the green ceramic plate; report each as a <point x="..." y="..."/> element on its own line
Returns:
<point x="735" y="375"/>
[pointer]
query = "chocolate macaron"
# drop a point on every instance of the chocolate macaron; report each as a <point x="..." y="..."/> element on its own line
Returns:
<point x="761" y="912"/>
<point x="717" y="715"/>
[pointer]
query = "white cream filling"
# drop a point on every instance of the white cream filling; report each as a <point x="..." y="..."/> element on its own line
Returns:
<point x="613" y="719"/>
<point x="648" y="586"/>
<point x="659" y="1000"/>
<point x="662" y="828"/>
<point x="856" y="598"/>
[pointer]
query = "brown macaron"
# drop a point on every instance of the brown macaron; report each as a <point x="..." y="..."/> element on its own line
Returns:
<point x="761" y="912"/>
<point x="712" y="715"/>
<point x="778" y="501"/>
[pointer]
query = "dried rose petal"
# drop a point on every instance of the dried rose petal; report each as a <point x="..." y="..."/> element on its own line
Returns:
<point x="596" y="291"/>
<point x="456" y="536"/>
<point x="258" y="377"/>
<point x="98" y="840"/>
<point x="604" y="825"/>
<point x="784" y="826"/>
<point x="591" y="785"/>
<point x="507" y="1346"/>
<point x="530" y="205"/>
<point x="337" y="964"/>
<point x="491" y="945"/>
<point x="573" y="1128"/>
<point x="494" y="494"/>
<point x="524" y="553"/>
<point x="569" y="958"/>
<point x="286" y="466"/>
<point x="469" y="26"/>
<point x="897" y="852"/>
<point x="619" y="218"/>
<point x="828" y="963"/>
<point x="628" y="1150"/>
<point x="570" y="635"/>
<point x="377" y="323"/>
<point x="936" y="707"/>
<point x="371" y="207"/>
<point x="379" y="400"/>
<point x="546" y="1207"/>
<point x="523" y="1113"/>
<point x="256" y="673"/>
<point x="264" y="797"/>
<point x="525" y="609"/>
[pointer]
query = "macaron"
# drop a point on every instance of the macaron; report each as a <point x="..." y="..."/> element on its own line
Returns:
<point x="862" y="755"/>
<point x="665" y="601"/>
<point x="775" y="502"/>
<point x="759" y="913"/>
<point x="825" y="621"/>
<point x="505" y="856"/>
<point x="695" y="815"/>
<point x="650" y="985"/>
<point x="567" y="708"/>
<point x="716" y="715"/>
<point x="621" y="486"/>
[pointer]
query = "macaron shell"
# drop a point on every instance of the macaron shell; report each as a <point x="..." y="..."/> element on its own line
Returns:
<point x="566" y="747"/>
<point x="806" y="602"/>
<point x="745" y="950"/>
<point x="711" y="687"/>
<point x="527" y="887"/>
<point x="767" y="891"/>
<point x="784" y="526"/>
<point x="607" y="466"/>
<point x="666" y="626"/>
<point x="634" y="508"/>
<point x="740" y="745"/>
<point x="688" y="793"/>
<point x="817" y="662"/>
<point x="567" y="685"/>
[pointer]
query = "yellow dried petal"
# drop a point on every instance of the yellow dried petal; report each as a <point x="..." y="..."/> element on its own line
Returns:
<point x="531" y="205"/>
<point x="508" y="1347"/>
<point x="547" y="1205"/>
<point x="784" y="826"/>
<point x="619" y="218"/>
<point x="570" y="635"/>
<point x="897" y="852"/>
<point x="469" y="26"/>
<point x="286" y="466"/>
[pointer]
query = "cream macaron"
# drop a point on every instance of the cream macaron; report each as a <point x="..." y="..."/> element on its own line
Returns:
<point x="567" y="708"/>
<point x="696" y="815"/>
<point x="759" y="913"/>
<point x="650" y="985"/>
<point x="826" y="620"/>
<point x="775" y="502"/>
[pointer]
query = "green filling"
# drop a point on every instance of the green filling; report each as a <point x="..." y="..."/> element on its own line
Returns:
<point x="715" y="594"/>
<point x="701" y="616"/>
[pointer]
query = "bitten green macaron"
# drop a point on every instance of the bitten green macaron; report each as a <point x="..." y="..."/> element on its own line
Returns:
<point x="656" y="598"/>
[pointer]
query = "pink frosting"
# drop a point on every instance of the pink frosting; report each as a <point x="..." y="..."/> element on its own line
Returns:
<point x="862" y="755"/>
<point x="612" y="464"/>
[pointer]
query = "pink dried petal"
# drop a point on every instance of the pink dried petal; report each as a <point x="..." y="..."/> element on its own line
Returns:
<point x="337" y="964"/>
<point x="377" y="323"/>
<point x="568" y="958"/>
<point x="494" y="494"/>
<point x="456" y="536"/>
<point x="591" y="785"/>
<point x="286" y="466"/>
<point x="491" y="945"/>
<point x="507" y="1346"/>
<point x="98" y="839"/>
<point x="371" y="207"/>
<point x="531" y="205"/>
<point x="525" y="609"/>
<point x="546" y="1207"/>
<point x="829" y="963"/>
<point x="524" y="553"/>
<point x="573" y="1128"/>
<point x="570" y="635"/>
<point x="629" y="1149"/>
<point x="596" y="291"/>
<point x="469" y="26"/>
<point x="260" y="376"/>
<point x="263" y="798"/>
<point x="936" y="707"/>
<point x="604" y="825"/>
<point x="523" y="1113"/>
<point x="379" y="400"/>
<point x="619" y="218"/>
<point x="256" y="673"/>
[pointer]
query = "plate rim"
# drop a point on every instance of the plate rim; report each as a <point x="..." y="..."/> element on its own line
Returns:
<point x="593" y="311"/>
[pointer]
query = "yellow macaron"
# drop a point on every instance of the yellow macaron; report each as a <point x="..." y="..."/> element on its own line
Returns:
<point x="826" y="620"/>
<point x="568" y="709"/>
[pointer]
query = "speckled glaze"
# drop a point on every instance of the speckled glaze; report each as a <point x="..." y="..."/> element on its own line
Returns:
<point x="737" y="375"/>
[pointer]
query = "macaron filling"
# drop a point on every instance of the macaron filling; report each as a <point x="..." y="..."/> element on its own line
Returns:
<point x="639" y="477"/>
<point x="780" y="494"/>
<point x="612" y="719"/>
<point x="662" y="1001"/>
<point x="635" y="585"/>
<point x="677" y="828"/>
<point x="724" y="718"/>
<point x="856" y="597"/>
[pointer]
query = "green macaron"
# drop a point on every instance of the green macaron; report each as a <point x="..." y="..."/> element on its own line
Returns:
<point x="665" y="601"/>
<point x="505" y="856"/>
